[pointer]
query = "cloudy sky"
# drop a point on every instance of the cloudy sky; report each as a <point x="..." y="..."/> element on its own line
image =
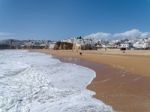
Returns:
<point x="131" y="34"/>
<point x="58" y="19"/>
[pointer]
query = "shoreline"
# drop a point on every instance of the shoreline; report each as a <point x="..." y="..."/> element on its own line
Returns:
<point x="121" y="89"/>
<point x="136" y="62"/>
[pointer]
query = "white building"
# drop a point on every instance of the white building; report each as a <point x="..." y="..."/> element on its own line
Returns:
<point x="68" y="40"/>
<point x="125" y="45"/>
<point x="141" y="45"/>
<point x="52" y="45"/>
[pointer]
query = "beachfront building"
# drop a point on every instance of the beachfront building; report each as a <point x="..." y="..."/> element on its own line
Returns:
<point x="29" y="44"/>
<point x="43" y="46"/>
<point x="114" y="44"/>
<point x="111" y="46"/>
<point x="124" y="46"/>
<point x="88" y="44"/>
<point x="35" y="44"/>
<point x="80" y="43"/>
<point x="70" y="40"/>
<point x="51" y="45"/>
<point x="141" y="45"/>
<point x="98" y="47"/>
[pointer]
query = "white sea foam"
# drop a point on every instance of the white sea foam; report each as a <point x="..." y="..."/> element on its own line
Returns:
<point x="35" y="82"/>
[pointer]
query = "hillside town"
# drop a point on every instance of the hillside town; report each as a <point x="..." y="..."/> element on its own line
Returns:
<point x="77" y="43"/>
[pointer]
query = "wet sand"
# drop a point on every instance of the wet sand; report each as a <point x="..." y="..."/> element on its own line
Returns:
<point x="124" y="90"/>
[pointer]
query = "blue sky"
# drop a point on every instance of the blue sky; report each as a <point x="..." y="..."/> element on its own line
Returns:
<point x="58" y="19"/>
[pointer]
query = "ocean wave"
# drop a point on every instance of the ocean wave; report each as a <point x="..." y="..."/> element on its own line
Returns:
<point x="35" y="82"/>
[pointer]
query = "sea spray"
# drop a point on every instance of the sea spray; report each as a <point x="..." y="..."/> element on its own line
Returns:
<point x="35" y="82"/>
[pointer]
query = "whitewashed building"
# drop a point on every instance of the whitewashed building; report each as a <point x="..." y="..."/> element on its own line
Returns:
<point x="68" y="40"/>
<point x="125" y="45"/>
<point x="52" y="45"/>
<point x="141" y="45"/>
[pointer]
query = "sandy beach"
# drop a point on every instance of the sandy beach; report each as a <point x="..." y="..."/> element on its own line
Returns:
<point x="122" y="79"/>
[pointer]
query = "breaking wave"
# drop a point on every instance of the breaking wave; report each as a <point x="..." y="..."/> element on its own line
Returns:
<point x="35" y="82"/>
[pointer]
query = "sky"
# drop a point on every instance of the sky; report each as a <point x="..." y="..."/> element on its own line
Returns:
<point x="59" y="19"/>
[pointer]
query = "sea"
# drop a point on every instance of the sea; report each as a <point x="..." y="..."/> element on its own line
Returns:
<point x="36" y="82"/>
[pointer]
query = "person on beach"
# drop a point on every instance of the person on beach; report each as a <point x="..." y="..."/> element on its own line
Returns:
<point x="80" y="53"/>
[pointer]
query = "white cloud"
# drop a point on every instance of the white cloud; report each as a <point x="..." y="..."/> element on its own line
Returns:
<point x="131" y="34"/>
<point x="99" y="35"/>
<point x="145" y="35"/>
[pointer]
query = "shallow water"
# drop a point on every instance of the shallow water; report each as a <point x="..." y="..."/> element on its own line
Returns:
<point x="35" y="82"/>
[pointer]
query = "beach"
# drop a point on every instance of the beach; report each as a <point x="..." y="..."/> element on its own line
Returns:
<point x="75" y="56"/>
<point x="122" y="79"/>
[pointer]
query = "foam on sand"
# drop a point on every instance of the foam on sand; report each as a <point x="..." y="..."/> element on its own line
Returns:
<point x="35" y="82"/>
